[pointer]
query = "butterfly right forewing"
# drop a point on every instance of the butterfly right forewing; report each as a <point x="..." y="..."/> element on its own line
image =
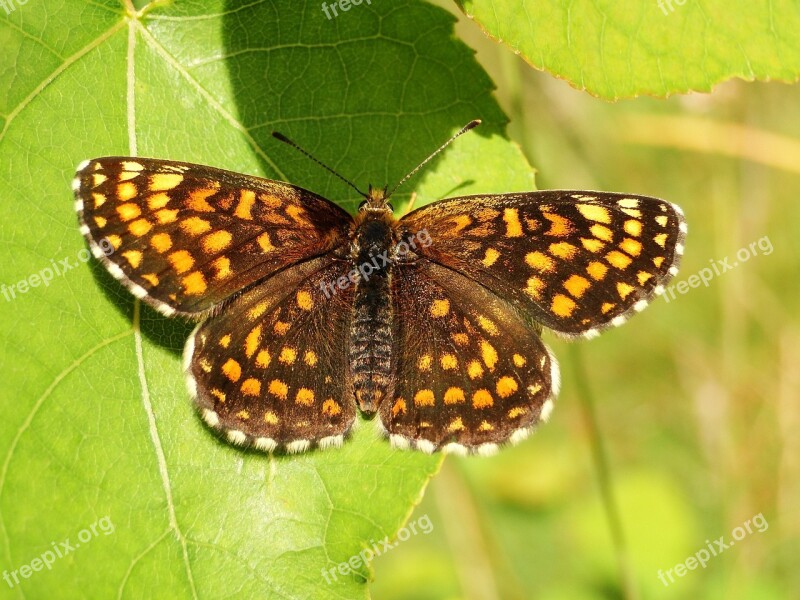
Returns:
<point x="185" y="237"/>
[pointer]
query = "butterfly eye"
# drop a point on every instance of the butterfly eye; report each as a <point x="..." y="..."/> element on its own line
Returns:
<point x="389" y="205"/>
<point x="362" y="205"/>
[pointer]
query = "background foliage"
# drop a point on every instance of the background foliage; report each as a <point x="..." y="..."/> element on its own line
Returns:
<point x="695" y="401"/>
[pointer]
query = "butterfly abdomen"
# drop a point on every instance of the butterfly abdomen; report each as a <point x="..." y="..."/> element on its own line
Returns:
<point x="371" y="330"/>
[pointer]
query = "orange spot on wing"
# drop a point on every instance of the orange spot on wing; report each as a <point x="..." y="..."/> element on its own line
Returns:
<point x="265" y="243"/>
<point x="474" y="369"/>
<point x="304" y="300"/>
<point x="513" y="226"/>
<point x="195" y="225"/>
<point x="562" y="306"/>
<point x="624" y="289"/>
<point x="618" y="259"/>
<point x="223" y="268"/>
<point x="440" y="308"/>
<point x="633" y="227"/>
<point x="597" y="270"/>
<point x="631" y="246"/>
<point x="535" y="287"/>
<point x="592" y="245"/>
<point x="164" y="181"/>
<point x="288" y="355"/>
<point x="263" y="359"/>
<point x="559" y="226"/>
<point x="304" y="396"/>
<point x="251" y="387"/>
<point x="506" y="386"/>
<point x="563" y="250"/>
<point x="602" y="232"/>
<point x="158" y="201"/>
<point x="246" y="200"/>
<point x="489" y="355"/>
<point x="217" y="241"/>
<point x="252" y="341"/>
<point x="577" y="285"/>
<point x="331" y="408"/>
<point x="232" y="370"/>
<point x="165" y="216"/>
<point x="454" y="395"/>
<point x="129" y="211"/>
<point x="140" y="227"/>
<point x="278" y="388"/>
<point x="399" y="406"/>
<point x="424" y="398"/>
<point x="134" y="258"/>
<point x="482" y="399"/>
<point x="194" y="284"/>
<point x="490" y="257"/>
<point x="448" y="362"/>
<point x="181" y="260"/>
<point x="126" y="191"/>
<point x="456" y="425"/>
<point x="540" y="261"/>
<point x="594" y="212"/>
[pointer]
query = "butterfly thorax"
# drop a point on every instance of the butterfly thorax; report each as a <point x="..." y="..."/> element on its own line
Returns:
<point x="372" y="255"/>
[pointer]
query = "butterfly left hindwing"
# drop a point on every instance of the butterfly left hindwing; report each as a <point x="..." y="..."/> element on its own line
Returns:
<point x="471" y="373"/>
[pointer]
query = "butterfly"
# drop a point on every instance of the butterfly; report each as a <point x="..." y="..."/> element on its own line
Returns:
<point x="431" y="322"/>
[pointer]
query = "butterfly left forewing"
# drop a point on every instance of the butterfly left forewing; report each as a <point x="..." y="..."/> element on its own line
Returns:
<point x="577" y="262"/>
<point x="470" y="372"/>
<point x="184" y="237"/>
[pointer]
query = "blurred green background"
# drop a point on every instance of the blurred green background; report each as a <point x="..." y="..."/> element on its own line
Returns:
<point x="694" y="402"/>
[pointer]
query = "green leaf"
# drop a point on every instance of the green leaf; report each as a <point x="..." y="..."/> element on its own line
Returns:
<point x="97" y="428"/>
<point x="623" y="48"/>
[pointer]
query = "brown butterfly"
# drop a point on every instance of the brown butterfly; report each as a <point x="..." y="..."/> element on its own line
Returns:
<point x="432" y="321"/>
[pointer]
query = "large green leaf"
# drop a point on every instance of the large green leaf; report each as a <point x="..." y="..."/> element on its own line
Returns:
<point x="96" y="424"/>
<point x="623" y="48"/>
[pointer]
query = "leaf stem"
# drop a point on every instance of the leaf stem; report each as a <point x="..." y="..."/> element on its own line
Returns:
<point x="601" y="465"/>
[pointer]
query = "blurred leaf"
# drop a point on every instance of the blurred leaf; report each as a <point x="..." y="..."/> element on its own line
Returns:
<point x="97" y="422"/>
<point x="623" y="48"/>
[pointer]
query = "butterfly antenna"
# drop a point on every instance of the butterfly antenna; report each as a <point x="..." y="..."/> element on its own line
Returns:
<point x="471" y="125"/>
<point x="286" y="140"/>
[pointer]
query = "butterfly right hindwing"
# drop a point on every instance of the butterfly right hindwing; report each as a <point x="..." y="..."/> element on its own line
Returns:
<point x="271" y="371"/>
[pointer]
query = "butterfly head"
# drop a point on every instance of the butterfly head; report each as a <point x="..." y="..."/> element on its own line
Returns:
<point x="376" y="201"/>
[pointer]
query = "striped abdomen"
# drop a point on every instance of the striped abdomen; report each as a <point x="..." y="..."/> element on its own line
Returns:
<point x="371" y="329"/>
